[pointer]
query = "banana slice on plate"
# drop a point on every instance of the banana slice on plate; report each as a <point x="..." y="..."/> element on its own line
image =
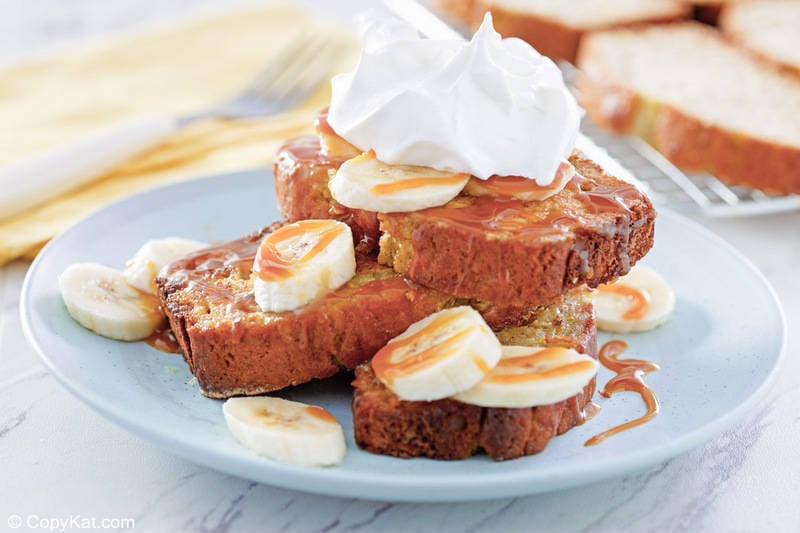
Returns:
<point x="142" y="269"/>
<point x="441" y="355"/>
<point x="524" y="189"/>
<point x="101" y="300"/>
<point x="530" y="376"/>
<point x="366" y="183"/>
<point x="287" y="431"/>
<point x="639" y="301"/>
<point x="302" y="261"/>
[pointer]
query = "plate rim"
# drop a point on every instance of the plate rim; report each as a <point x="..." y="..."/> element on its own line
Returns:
<point x="333" y="482"/>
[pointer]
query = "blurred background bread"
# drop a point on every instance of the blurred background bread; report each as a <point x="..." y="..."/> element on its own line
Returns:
<point x="770" y="29"/>
<point x="701" y="101"/>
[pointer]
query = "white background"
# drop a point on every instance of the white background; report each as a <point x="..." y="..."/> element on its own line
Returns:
<point x="59" y="458"/>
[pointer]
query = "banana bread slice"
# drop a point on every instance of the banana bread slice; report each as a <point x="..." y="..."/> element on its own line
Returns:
<point x="234" y="348"/>
<point x="506" y="250"/>
<point x="520" y="254"/>
<point x="449" y="429"/>
<point x="719" y="111"/>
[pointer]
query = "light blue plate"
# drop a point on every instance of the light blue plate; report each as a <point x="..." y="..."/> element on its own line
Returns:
<point x="719" y="356"/>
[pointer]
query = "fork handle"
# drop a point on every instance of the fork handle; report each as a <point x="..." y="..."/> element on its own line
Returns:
<point x="37" y="179"/>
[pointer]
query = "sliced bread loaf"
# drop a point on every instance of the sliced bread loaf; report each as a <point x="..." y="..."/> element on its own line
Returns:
<point x="450" y="429"/>
<point x="770" y="29"/>
<point x="702" y="102"/>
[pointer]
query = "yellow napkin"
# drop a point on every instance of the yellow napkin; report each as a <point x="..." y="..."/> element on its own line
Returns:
<point x="169" y="71"/>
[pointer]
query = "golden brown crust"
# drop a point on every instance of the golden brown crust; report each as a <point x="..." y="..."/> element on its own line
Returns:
<point x="449" y="429"/>
<point x="735" y="158"/>
<point x="233" y="348"/>
<point x="594" y="230"/>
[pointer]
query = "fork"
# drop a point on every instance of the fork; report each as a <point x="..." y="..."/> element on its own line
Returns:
<point x="298" y="69"/>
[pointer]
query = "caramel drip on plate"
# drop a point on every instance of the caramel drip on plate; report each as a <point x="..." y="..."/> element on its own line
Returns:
<point x="164" y="340"/>
<point x="274" y="266"/>
<point x="388" y="366"/>
<point x="630" y="377"/>
<point x="321" y="413"/>
<point x="416" y="183"/>
<point x="640" y="300"/>
<point x="588" y="412"/>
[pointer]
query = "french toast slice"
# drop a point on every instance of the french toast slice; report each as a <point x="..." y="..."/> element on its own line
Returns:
<point x="233" y="348"/>
<point x="497" y="250"/>
<point x="450" y="429"/>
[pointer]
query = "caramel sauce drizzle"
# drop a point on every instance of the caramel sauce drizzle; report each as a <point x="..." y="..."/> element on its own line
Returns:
<point x="163" y="339"/>
<point x="416" y="183"/>
<point x="630" y="377"/>
<point x="198" y="271"/>
<point x="588" y="412"/>
<point x="523" y="368"/>
<point x="640" y="300"/>
<point x="386" y="366"/>
<point x="567" y="342"/>
<point x="274" y="266"/>
<point x="321" y="413"/>
<point x="494" y="214"/>
<point x="321" y="124"/>
<point x="514" y="185"/>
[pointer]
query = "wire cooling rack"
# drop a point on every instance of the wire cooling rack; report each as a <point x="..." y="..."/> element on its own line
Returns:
<point x="669" y="186"/>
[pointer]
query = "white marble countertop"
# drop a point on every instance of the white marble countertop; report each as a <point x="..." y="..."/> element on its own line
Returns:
<point x="61" y="460"/>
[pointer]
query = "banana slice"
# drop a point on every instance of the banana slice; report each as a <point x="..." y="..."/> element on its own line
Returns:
<point x="302" y="261"/>
<point x="99" y="298"/>
<point x="286" y="431"/>
<point x="524" y="189"/>
<point x="365" y="183"/>
<point x="640" y="301"/>
<point x="441" y="355"/>
<point x="527" y="377"/>
<point x="142" y="269"/>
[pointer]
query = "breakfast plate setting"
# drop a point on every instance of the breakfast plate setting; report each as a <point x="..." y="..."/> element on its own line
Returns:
<point x="716" y="363"/>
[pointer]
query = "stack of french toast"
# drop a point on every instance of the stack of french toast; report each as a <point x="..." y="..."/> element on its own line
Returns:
<point x="525" y="265"/>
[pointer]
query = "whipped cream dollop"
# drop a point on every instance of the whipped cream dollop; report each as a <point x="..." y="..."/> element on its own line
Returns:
<point x="490" y="106"/>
